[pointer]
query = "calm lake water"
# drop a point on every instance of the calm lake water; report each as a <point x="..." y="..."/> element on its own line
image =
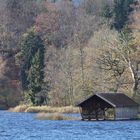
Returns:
<point x="22" y="126"/>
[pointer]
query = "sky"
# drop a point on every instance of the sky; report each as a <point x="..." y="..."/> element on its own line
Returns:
<point x="76" y="2"/>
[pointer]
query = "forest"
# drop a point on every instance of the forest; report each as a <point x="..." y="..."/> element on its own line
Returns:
<point x="59" y="52"/>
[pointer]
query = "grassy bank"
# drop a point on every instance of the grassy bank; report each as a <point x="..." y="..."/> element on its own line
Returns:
<point x="45" y="109"/>
<point x="54" y="116"/>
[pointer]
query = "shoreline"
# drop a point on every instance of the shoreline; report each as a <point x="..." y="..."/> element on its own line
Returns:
<point x="44" y="109"/>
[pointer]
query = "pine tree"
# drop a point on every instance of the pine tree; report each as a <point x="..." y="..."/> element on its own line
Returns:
<point x="106" y="11"/>
<point x="121" y="12"/>
<point x="35" y="76"/>
<point x="29" y="46"/>
<point x="32" y="67"/>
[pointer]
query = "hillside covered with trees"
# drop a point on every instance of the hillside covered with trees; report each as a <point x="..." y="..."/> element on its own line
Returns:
<point x="58" y="52"/>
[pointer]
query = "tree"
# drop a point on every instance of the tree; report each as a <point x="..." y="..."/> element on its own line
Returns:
<point x="36" y="75"/>
<point x="125" y="58"/>
<point x="106" y="11"/>
<point x="16" y="16"/>
<point x="68" y="29"/>
<point x="135" y="16"/>
<point x="121" y="12"/>
<point x="32" y="73"/>
<point x="47" y="23"/>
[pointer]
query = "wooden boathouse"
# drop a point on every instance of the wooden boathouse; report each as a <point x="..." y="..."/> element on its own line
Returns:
<point x="98" y="105"/>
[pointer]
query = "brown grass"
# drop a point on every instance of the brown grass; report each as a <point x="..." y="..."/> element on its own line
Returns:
<point x="45" y="109"/>
<point x="53" y="116"/>
<point x="20" y="108"/>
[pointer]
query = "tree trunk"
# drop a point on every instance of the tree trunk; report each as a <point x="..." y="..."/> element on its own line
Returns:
<point x="71" y="89"/>
<point x="82" y="63"/>
<point x="135" y="88"/>
<point x="82" y="70"/>
<point x="135" y="78"/>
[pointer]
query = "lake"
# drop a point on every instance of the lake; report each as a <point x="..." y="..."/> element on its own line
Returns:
<point x="23" y="126"/>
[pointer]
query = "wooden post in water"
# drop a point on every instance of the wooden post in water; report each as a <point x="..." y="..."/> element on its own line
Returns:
<point x="114" y="114"/>
<point x="96" y="114"/>
<point x="104" y="114"/>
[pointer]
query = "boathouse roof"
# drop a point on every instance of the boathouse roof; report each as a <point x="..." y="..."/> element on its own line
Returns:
<point x="114" y="99"/>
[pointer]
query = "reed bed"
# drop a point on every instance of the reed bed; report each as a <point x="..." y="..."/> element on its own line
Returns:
<point x="54" y="116"/>
<point x="45" y="109"/>
<point x="20" y="108"/>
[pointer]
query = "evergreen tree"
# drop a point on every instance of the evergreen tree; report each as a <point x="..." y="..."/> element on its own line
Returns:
<point x="35" y="76"/>
<point x="121" y="12"/>
<point x="32" y="66"/>
<point x="29" y="46"/>
<point x="106" y="11"/>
